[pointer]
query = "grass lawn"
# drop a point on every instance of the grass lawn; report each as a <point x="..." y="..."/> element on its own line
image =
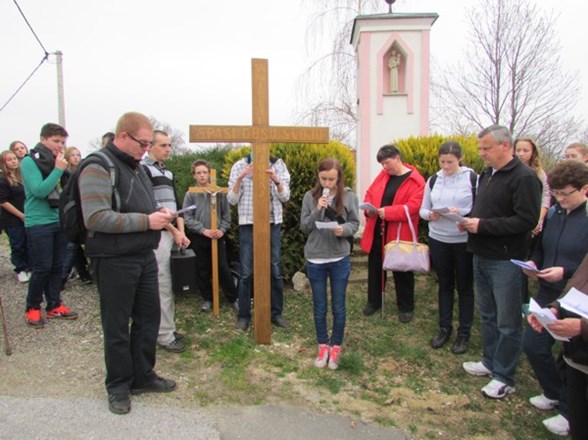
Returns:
<point x="388" y="373"/>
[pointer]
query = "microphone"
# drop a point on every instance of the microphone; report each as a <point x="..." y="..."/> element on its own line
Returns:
<point x="326" y="192"/>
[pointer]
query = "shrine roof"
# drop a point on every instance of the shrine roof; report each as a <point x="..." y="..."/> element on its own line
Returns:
<point x="396" y="15"/>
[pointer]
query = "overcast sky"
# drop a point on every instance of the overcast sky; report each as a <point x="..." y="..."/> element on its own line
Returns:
<point x="188" y="62"/>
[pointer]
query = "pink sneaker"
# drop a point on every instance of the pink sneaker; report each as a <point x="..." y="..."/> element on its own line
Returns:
<point x="334" y="353"/>
<point x="323" y="356"/>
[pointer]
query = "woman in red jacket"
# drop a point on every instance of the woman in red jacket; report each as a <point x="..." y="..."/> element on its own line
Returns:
<point x="396" y="185"/>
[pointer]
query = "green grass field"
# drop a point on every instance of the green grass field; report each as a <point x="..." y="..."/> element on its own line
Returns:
<point x="388" y="373"/>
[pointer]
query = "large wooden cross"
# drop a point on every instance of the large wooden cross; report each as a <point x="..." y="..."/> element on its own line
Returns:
<point x="213" y="189"/>
<point x="260" y="134"/>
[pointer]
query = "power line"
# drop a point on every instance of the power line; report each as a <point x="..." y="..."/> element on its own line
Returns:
<point x="25" y="81"/>
<point x="46" y="55"/>
<point x="31" y="28"/>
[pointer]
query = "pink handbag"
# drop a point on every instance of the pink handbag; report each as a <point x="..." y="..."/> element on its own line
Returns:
<point x="406" y="256"/>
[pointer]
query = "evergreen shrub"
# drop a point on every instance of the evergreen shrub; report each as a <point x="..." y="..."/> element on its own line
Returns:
<point x="422" y="152"/>
<point x="302" y="161"/>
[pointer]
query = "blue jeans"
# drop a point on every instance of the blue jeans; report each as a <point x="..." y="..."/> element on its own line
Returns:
<point x="74" y="255"/>
<point x="338" y="274"/>
<point x="20" y="250"/>
<point x="499" y="302"/>
<point x="453" y="264"/>
<point x="538" y="348"/>
<point x="246" y="255"/>
<point x="48" y="246"/>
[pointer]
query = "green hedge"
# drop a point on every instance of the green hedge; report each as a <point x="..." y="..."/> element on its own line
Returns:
<point x="421" y="152"/>
<point x="302" y="161"/>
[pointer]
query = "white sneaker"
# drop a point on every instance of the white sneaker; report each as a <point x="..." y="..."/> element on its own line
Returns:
<point x="323" y="356"/>
<point x="558" y="425"/>
<point x="476" y="369"/>
<point x="497" y="389"/>
<point x="22" y="277"/>
<point x="543" y="402"/>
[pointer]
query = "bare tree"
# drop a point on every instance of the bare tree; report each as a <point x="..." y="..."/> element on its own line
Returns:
<point x="176" y="136"/>
<point x="511" y="74"/>
<point x="328" y="86"/>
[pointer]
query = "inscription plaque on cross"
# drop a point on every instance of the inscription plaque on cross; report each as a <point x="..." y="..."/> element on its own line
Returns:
<point x="260" y="134"/>
<point x="213" y="189"/>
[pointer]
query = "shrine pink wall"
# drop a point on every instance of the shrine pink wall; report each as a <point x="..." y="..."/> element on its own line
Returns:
<point x="364" y="111"/>
<point x="426" y="81"/>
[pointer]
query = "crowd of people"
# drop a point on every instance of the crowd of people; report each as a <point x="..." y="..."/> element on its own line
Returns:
<point x="477" y="224"/>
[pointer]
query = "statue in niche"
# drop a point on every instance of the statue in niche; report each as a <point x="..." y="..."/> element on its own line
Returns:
<point x="393" y="64"/>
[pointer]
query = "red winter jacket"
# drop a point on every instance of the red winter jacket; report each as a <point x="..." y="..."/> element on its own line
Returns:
<point x="410" y="193"/>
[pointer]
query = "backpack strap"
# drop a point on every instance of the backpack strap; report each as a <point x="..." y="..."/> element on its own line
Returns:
<point x="112" y="170"/>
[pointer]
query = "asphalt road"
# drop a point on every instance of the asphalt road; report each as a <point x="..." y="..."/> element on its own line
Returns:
<point x="62" y="418"/>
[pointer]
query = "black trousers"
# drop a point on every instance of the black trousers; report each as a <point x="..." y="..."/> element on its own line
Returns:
<point x="577" y="394"/>
<point x="202" y="247"/>
<point x="129" y="293"/>
<point x="403" y="281"/>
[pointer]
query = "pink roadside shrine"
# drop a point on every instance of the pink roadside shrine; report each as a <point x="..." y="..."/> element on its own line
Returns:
<point x="392" y="52"/>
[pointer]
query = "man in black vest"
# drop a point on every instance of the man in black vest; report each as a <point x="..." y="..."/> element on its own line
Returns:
<point x="120" y="242"/>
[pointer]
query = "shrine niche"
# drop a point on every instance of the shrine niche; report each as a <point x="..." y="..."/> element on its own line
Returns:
<point x="394" y="75"/>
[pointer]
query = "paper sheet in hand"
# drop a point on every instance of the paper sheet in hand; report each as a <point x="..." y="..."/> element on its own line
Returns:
<point x="545" y="317"/>
<point x="187" y="208"/>
<point x="368" y="207"/>
<point x="525" y="265"/>
<point x="575" y="301"/>
<point x="326" y="225"/>
<point x="445" y="212"/>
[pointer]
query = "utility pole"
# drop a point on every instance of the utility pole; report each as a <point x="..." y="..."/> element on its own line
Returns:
<point x="60" y="99"/>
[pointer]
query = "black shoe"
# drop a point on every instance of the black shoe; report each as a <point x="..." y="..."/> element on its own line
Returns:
<point x="157" y="385"/>
<point x="242" y="326"/>
<point x="280" y="321"/>
<point x="460" y="346"/>
<point x="405" y="317"/>
<point x="175" y="346"/>
<point x="370" y="309"/>
<point x="119" y="403"/>
<point x="86" y="278"/>
<point x="178" y="336"/>
<point x="441" y="337"/>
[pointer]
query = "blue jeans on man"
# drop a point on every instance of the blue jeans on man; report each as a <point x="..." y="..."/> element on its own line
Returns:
<point x="246" y="282"/>
<point x="338" y="274"/>
<point x="48" y="246"/>
<point x="498" y="284"/>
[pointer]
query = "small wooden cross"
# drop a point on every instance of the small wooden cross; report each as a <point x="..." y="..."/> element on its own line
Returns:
<point x="213" y="189"/>
<point x="260" y="134"/>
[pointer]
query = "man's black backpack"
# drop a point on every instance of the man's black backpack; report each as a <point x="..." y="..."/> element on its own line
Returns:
<point x="70" y="207"/>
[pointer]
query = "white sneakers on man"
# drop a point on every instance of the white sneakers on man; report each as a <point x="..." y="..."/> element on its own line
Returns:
<point x="476" y="369"/>
<point x="543" y="402"/>
<point x="558" y="425"/>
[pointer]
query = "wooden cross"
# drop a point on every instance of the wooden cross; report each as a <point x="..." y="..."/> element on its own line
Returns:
<point x="213" y="189"/>
<point x="260" y="134"/>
